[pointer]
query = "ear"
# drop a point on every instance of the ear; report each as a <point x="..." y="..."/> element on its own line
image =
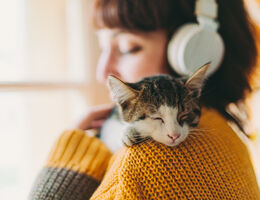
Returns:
<point x="195" y="82"/>
<point x="120" y="91"/>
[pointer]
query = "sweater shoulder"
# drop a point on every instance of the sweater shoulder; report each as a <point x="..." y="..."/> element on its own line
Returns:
<point x="214" y="164"/>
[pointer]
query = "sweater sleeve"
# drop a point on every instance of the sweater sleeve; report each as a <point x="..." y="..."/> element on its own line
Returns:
<point x="75" y="167"/>
<point x="212" y="163"/>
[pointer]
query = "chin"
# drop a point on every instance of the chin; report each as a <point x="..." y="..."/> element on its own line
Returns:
<point x="175" y="143"/>
<point x="170" y="143"/>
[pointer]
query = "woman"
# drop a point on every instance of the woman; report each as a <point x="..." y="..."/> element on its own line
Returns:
<point x="214" y="164"/>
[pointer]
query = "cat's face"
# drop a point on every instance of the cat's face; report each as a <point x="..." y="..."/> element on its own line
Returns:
<point x="167" y="125"/>
<point x="160" y="107"/>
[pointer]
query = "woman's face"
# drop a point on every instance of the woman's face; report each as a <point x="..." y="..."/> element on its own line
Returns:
<point x="131" y="56"/>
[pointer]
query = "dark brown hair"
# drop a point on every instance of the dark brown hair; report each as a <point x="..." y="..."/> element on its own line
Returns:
<point x="230" y="83"/>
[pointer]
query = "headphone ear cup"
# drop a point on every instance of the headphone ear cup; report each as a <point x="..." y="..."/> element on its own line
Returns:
<point x="192" y="46"/>
<point x="174" y="46"/>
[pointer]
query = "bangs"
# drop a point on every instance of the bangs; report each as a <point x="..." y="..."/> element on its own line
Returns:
<point x="142" y="15"/>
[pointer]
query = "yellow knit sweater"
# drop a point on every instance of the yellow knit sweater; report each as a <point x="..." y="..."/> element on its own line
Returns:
<point x="211" y="164"/>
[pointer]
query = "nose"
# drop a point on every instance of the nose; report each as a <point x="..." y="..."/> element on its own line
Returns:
<point x="106" y="66"/>
<point x="174" y="136"/>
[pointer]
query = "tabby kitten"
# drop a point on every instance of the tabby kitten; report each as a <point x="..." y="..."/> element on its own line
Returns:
<point x="160" y="107"/>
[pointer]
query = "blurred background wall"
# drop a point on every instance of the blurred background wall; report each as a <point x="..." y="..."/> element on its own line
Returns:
<point x="48" y="55"/>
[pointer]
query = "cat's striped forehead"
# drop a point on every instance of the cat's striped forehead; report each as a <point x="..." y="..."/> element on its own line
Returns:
<point x="146" y="96"/>
<point x="161" y="90"/>
<point x="157" y="91"/>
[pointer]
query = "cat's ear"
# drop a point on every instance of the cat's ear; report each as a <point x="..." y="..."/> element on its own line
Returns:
<point x="196" y="81"/>
<point x="120" y="91"/>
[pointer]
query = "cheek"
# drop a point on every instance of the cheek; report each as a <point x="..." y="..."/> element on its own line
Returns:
<point x="149" y="128"/>
<point x="184" y="131"/>
<point x="158" y="131"/>
<point x="141" y="65"/>
<point x="130" y="68"/>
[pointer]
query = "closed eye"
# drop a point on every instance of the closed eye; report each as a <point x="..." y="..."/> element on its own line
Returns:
<point x="131" y="51"/>
<point x="157" y="118"/>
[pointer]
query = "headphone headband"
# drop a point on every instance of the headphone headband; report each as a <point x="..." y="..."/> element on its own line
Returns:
<point x="206" y="8"/>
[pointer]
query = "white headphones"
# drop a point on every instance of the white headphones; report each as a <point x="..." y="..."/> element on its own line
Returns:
<point x="194" y="45"/>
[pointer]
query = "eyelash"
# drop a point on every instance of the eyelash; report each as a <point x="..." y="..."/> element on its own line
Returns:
<point x="131" y="51"/>
<point x="153" y="118"/>
<point x="158" y="118"/>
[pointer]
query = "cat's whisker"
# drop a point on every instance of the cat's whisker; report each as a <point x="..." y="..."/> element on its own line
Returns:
<point x="196" y="133"/>
<point x="193" y="133"/>
<point x="201" y="129"/>
<point x="191" y="136"/>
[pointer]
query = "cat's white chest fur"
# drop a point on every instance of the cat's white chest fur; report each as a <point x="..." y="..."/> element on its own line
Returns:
<point x="112" y="132"/>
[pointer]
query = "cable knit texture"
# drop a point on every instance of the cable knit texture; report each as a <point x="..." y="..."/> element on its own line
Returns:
<point x="74" y="169"/>
<point x="79" y="152"/>
<point x="212" y="163"/>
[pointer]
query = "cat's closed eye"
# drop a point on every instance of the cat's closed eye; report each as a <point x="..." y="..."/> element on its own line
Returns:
<point x="158" y="118"/>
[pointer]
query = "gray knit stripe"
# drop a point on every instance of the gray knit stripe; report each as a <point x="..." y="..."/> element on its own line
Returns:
<point x="62" y="184"/>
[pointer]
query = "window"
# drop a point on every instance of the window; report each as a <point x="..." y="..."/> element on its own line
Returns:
<point x="46" y="83"/>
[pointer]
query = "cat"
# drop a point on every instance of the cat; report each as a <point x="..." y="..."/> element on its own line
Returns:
<point x="161" y="107"/>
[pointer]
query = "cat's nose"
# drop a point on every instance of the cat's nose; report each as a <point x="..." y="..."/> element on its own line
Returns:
<point x="174" y="136"/>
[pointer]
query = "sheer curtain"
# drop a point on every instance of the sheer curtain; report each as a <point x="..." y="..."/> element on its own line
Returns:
<point x="48" y="55"/>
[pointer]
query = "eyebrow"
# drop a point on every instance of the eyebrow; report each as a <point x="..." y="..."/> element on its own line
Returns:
<point x="133" y="33"/>
<point x="118" y="33"/>
<point x="115" y="34"/>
